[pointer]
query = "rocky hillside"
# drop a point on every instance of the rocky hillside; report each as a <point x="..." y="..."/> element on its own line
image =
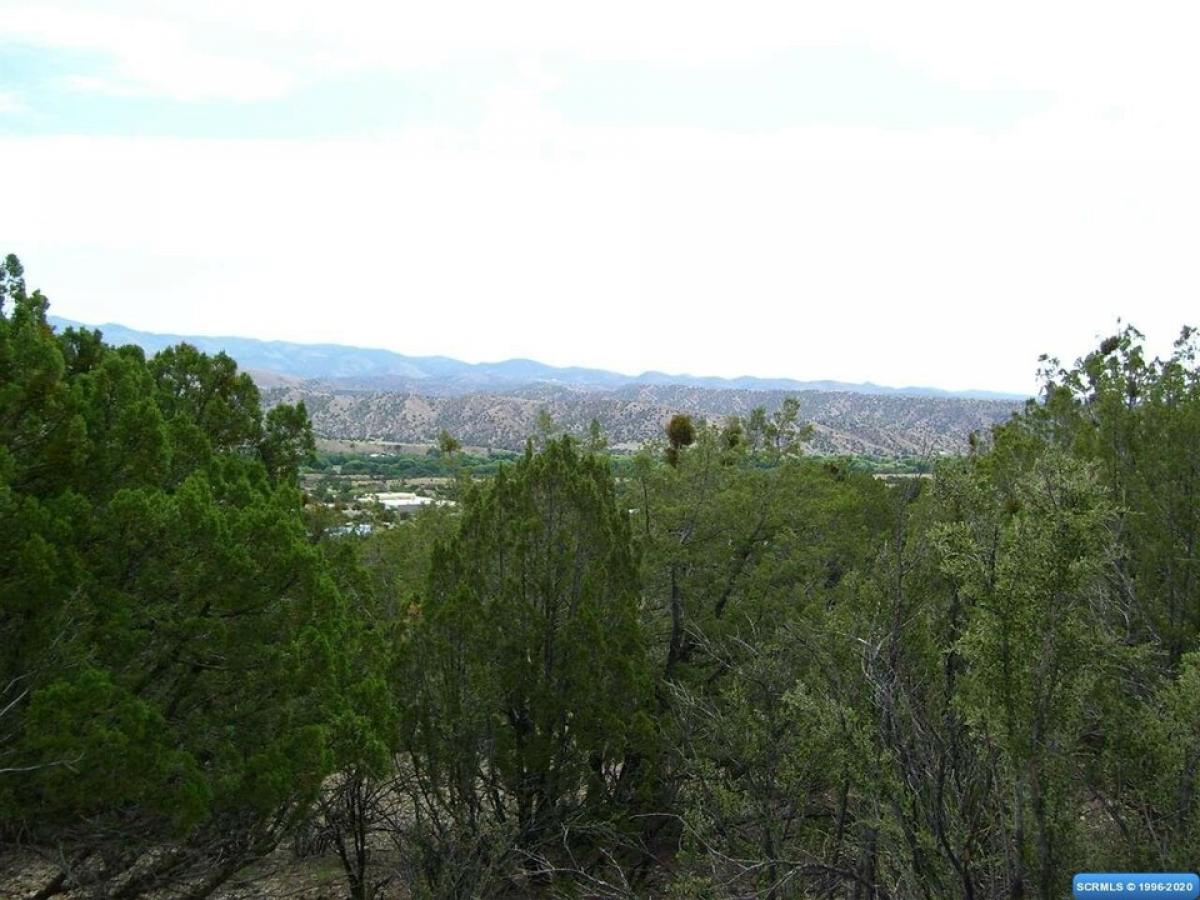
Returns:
<point x="872" y="424"/>
<point x="356" y="393"/>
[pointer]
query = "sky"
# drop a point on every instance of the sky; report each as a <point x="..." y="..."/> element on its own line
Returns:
<point x="911" y="194"/>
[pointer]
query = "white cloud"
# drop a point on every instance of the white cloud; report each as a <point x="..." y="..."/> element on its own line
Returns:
<point x="151" y="56"/>
<point x="1098" y="59"/>
<point x="941" y="256"/>
<point x="11" y="102"/>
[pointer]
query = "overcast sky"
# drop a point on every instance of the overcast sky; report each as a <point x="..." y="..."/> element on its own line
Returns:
<point x="908" y="193"/>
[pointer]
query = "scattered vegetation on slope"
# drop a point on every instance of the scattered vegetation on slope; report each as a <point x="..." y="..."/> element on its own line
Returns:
<point x="843" y="423"/>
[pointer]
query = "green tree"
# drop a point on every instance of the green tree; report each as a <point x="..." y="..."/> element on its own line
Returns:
<point x="741" y="565"/>
<point x="680" y="433"/>
<point x="530" y="701"/>
<point x="168" y="635"/>
<point x="1035" y="648"/>
<point x="448" y="445"/>
<point x="784" y="432"/>
<point x="287" y="442"/>
<point x="597" y="440"/>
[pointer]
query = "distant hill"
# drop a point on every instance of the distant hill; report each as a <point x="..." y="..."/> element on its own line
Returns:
<point x="362" y="394"/>
<point x="359" y="368"/>
<point x="872" y="424"/>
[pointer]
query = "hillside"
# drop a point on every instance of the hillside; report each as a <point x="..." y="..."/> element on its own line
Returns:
<point x="357" y="393"/>
<point x="878" y="425"/>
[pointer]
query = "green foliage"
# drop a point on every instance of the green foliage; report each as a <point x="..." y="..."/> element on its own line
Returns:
<point x="530" y="694"/>
<point x="448" y="445"/>
<point x="1163" y="773"/>
<point x="1028" y="563"/>
<point x="160" y="608"/>
<point x="400" y="466"/>
<point x="1138" y="422"/>
<point x="287" y="442"/>
<point x="719" y="667"/>
<point x="741" y="564"/>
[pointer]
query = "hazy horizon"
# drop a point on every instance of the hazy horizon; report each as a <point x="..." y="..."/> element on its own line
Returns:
<point x="381" y="347"/>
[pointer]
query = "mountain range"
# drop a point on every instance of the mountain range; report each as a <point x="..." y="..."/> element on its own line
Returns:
<point x="385" y="370"/>
<point x="360" y="394"/>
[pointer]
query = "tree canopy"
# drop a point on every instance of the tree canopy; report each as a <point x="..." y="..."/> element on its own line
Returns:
<point x="723" y="668"/>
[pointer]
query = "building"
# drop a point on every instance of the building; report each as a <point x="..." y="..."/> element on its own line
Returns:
<point x="402" y="501"/>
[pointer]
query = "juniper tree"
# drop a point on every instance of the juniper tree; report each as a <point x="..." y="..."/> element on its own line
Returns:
<point x="528" y="714"/>
<point x="167" y="632"/>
